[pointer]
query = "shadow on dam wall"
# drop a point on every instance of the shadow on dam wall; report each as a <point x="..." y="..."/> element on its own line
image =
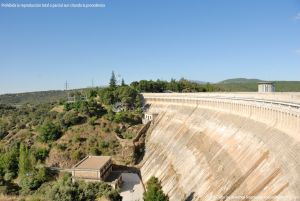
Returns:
<point x="204" y="154"/>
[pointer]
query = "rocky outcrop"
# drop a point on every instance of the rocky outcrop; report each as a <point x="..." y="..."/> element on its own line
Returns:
<point x="133" y="149"/>
<point x="216" y="151"/>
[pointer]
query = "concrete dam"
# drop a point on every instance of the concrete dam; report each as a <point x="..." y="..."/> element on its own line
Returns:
<point x="224" y="146"/>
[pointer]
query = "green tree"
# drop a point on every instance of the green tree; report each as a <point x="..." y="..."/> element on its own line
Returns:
<point x="70" y="118"/>
<point x="127" y="96"/>
<point x="120" y="117"/>
<point x="113" y="80"/>
<point x="24" y="161"/>
<point x="9" y="163"/>
<point x="92" y="93"/>
<point x="3" y="130"/>
<point x="183" y="85"/>
<point x="123" y="82"/>
<point x="34" y="179"/>
<point x="66" y="190"/>
<point x="209" y="87"/>
<point x="49" y="132"/>
<point x="41" y="154"/>
<point x="154" y="191"/>
<point x="92" y="108"/>
<point x="107" y="96"/>
<point x="30" y="177"/>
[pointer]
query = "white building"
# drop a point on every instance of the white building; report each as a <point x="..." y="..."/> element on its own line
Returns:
<point x="149" y="117"/>
<point x="266" y="87"/>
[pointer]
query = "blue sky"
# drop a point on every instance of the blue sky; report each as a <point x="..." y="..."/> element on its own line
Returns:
<point x="209" y="40"/>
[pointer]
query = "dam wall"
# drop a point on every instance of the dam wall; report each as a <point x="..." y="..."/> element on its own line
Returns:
<point x="225" y="146"/>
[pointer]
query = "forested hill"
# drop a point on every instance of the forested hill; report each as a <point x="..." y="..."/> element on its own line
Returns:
<point x="242" y="84"/>
<point x="32" y="97"/>
<point x="239" y="80"/>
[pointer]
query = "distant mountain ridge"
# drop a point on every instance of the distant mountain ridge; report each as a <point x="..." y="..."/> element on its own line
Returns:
<point x="198" y="81"/>
<point x="250" y="85"/>
<point x="33" y="97"/>
<point x="239" y="80"/>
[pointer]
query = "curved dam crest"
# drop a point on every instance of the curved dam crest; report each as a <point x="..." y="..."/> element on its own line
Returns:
<point x="223" y="146"/>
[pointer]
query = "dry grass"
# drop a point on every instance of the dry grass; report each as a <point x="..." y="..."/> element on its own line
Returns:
<point x="9" y="198"/>
<point x="59" y="109"/>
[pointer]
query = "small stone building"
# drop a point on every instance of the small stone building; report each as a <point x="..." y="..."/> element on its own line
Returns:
<point x="266" y="87"/>
<point x="149" y="117"/>
<point x="92" y="168"/>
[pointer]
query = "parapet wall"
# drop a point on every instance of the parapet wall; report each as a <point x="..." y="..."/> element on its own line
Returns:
<point x="223" y="146"/>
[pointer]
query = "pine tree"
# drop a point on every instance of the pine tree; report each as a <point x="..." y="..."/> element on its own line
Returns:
<point x="154" y="191"/>
<point x="113" y="80"/>
<point x="123" y="82"/>
<point x="24" y="161"/>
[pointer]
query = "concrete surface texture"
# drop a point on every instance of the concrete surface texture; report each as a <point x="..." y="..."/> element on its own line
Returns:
<point x="219" y="146"/>
<point x="132" y="188"/>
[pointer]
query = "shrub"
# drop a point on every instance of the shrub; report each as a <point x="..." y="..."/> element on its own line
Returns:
<point x="71" y="118"/>
<point x="120" y="117"/>
<point x="49" y="132"/>
<point x="92" y="120"/>
<point x="118" y="130"/>
<point x="9" y="176"/>
<point x="128" y="135"/>
<point x="41" y="154"/>
<point x="3" y="131"/>
<point x="91" y="141"/>
<point x="66" y="190"/>
<point x="21" y="125"/>
<point x="9" y="163"/>
<point x="76" y="155"/>
<point x="104" y="144"/>
<point x="77" y="138"/>
<point x="154" y="191"/>
<point x="9" y="188"/>
<point x="95" y="151"/>
<point x="92" y="108"/>
<point x="61" y="146"/>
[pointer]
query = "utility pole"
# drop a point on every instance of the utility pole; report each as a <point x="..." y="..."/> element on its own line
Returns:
<point x="66" y="86"/>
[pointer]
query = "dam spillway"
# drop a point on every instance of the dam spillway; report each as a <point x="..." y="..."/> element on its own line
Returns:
<point x="225" y="146"/>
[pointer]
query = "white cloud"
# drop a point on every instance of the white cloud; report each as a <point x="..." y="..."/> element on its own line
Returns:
<point x="297" y="16"/>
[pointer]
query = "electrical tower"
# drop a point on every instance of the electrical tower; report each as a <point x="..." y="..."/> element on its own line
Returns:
<point x="66" y="86"/>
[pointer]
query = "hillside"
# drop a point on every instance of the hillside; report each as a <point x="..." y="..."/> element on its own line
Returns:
<point x="244" y="85"/>
<point x="40" y="97"/>
<point x="35" y="138"/>
<point x="32" y="97"/>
